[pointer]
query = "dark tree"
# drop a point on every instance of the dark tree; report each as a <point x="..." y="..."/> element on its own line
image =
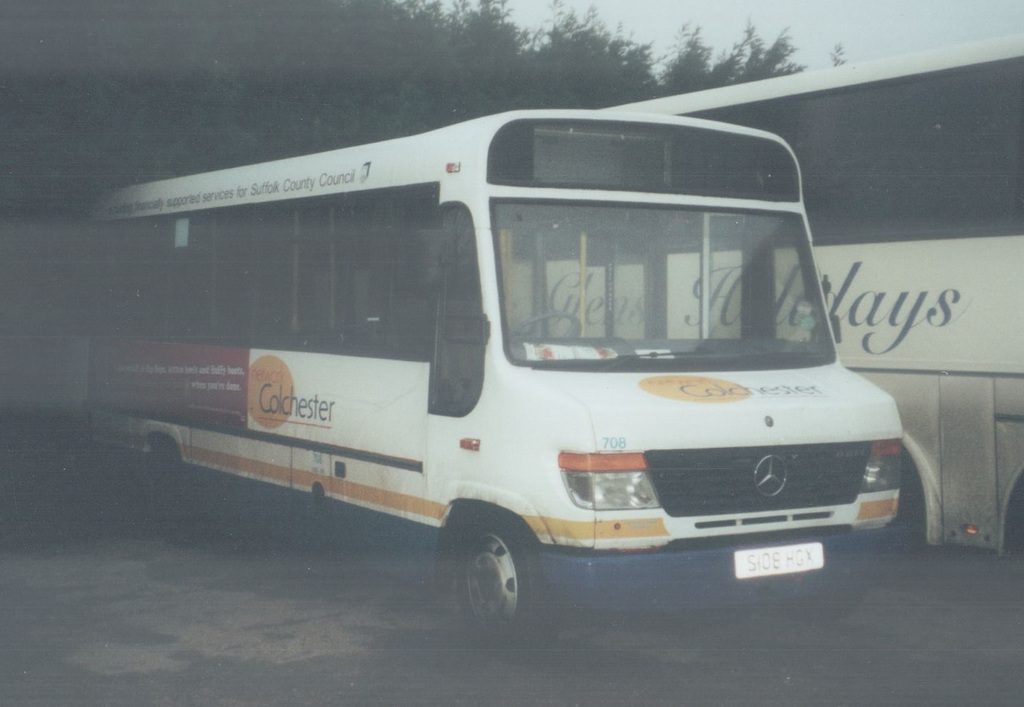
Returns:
<point x="578" y="62"/>
<point x="691" y="68"/>
<point x="101" y="93"/>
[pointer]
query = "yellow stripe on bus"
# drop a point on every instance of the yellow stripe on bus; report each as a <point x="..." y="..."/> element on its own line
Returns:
<point x="376" y="496"/>
<point x="344" y="489"/>
<point x="243" y="465"/>
<point x="337" y="488"/>
<point x="632" y="528"/>
<point x="558" y="528"/>
<point x="588" y="530"/>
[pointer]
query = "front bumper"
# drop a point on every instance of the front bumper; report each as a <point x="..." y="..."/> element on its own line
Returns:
<point x="696" y="579"/>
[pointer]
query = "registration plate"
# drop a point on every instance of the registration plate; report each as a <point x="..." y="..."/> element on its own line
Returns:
<point x="787" y="559"/>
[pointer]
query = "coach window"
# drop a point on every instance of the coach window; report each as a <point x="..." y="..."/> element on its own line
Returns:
<point x="922" y="160"/>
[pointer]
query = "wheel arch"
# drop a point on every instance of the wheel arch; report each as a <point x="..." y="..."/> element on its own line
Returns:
<point x="167" y="440"/>
<point x="465" y="514"/>
<point x="477" y="501"/>
<point x="1011" y="511"/>
<point x="924" y="499"/>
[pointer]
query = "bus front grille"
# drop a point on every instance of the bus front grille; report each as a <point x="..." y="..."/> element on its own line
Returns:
<point x="704" y="482"/>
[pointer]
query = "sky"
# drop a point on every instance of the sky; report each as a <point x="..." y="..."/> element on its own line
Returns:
<point x="867" y="29"/>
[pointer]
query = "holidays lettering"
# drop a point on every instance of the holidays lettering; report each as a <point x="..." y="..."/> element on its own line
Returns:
<point x="724" y="297"/>
<point x="891" y="317"/>
<point x="726" y="302"/>
<point x="564" y="297"/>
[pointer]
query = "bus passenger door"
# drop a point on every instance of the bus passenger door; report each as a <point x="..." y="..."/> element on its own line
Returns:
<point x="462" y="329"/>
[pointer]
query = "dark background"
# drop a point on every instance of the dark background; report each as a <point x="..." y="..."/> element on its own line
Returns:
<point x="98" y="94"/>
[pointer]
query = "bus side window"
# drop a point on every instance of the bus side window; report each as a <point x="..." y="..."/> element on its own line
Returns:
<point x="462" y="329"/>
<point x="386" y="297"/>
<point x="138" y="300"/>
<point x="415" y="287"/>
<point x="314" y="321"/>
<point x="235" y="283"/>
<point x="188" y="310"/>
<point x="272" y="233"/>
<point x="365" y="288"/>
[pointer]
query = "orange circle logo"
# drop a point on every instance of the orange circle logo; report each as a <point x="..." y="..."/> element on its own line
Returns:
<point x="271" y="392"/>
<point x="695" y="389"/>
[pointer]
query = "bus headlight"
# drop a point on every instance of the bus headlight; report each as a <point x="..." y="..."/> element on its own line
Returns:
<point x="608" y="482"/>
<point x="882" y="471"/>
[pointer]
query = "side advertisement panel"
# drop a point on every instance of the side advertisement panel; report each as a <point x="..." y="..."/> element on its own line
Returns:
<point x="203" y="384"/>
<point x="355" y="404"/>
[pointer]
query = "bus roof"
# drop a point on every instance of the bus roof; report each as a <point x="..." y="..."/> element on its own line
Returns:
<point x="353" y="168"/>
<point x="846" y="75"/>
<point x="417" y="159"/>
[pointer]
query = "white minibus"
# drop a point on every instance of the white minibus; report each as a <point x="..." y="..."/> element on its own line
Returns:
<point x="570" y="358"/>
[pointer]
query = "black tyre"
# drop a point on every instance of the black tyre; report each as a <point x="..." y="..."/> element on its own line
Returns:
<point x="161" y="482"/>
<point x="499" y="585"/>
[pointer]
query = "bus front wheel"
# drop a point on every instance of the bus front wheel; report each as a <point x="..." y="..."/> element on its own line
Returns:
<point x="498" y="585"/>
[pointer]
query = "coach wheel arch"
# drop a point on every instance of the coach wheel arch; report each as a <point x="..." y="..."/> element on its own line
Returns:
<point x="913" y="505"/>
<point x="1013" y="514"/>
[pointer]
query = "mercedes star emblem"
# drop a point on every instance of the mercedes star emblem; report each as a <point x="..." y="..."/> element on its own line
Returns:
<point x="770" y="476"/>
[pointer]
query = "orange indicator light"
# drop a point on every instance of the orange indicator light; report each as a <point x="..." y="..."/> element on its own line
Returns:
<point x="971" y="529"/>
<point x="570" y="461"/>
<point x="886" y="448"/>
<point x="470" y="443"/>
